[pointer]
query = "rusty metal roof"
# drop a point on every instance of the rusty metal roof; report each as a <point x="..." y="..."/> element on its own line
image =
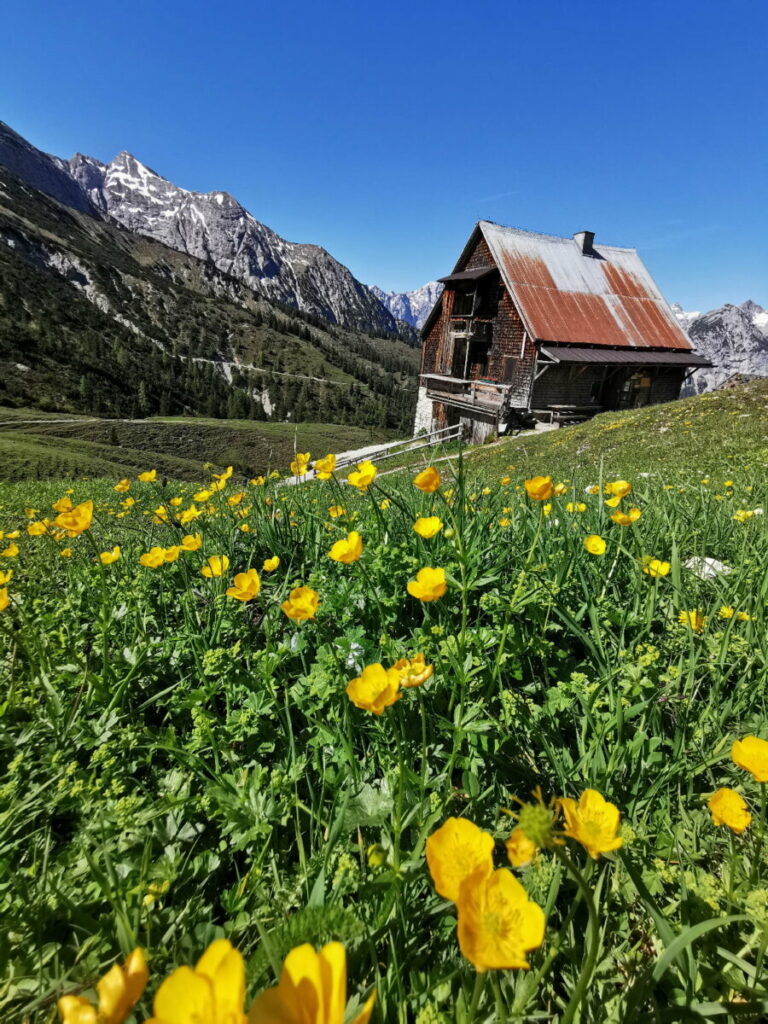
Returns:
<point x="603" y="297"/>
<point x="622" y="357"/>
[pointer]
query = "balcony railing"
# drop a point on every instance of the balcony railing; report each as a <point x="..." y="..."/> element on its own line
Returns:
<point x="485" y="395"/>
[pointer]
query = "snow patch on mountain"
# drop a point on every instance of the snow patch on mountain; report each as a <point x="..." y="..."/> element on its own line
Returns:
<point x="733" y="338"/>
<point x="412" y="307"/>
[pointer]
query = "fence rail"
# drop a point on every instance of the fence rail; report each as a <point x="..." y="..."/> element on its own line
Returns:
<point x="413" y="444"/>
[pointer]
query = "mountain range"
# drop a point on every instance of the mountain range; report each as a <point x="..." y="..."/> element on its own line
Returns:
<point x="734" y="338"/>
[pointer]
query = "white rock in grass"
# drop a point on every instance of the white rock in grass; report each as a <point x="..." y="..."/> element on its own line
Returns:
<point x="707" y="568"/>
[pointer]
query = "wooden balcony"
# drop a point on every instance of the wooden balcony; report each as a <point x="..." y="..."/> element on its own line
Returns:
<point x="480" y="395"/>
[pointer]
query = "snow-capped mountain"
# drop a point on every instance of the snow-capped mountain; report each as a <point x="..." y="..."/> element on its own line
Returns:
<point x="734" y="338"/>
<point x="211" y="226"/>
<point x="412" y="307"/>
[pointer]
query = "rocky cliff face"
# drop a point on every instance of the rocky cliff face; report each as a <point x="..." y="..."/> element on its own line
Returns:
<point x="211" y="226"/>
<point x="412" y="307"/>
<point x="734" y="338"/>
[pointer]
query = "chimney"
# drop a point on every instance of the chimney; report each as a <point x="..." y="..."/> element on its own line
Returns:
<point x="584" y="240"/>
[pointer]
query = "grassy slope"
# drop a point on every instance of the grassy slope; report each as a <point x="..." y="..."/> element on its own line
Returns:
<point x="722" y="431"/>
<point x="176" y="448"/>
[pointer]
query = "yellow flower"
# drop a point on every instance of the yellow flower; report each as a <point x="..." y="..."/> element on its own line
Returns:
<point x="335" y="511"/>
<point x="223" y="477"/>
<point x="729" y="808"/>
<point x="153" y="558"/>
<point x="235" y="499"/>
<point x="728" y="483"/>
<point x="726" y="612"/>
<point x="216" y="565"/>
<point x="66" y="552"/>
<point x="594" y="544"/>
<point x="575" y="506"/>
<point x="312" y="990"/>
<point x="128" y="502"/>
<point x="246" y="586"/>
<point x="213" y="992"/>
<point x="11" y="551"/>
<point x="428" y="526"/>
<point x="175" y="502"/>
<point x="324" y="467"/>
<point x="148" y="476"/>
<point x="613" y="502"/>
<point x="547" y="509"/>
<point x="626" y="518"/>
<point x="270" y="564"/>
<point x="505" y="521"/>
<point x="300" y="463"/>
<point x="161" y="514"/>
<point x="77" y="520"/>
<point x="742" y="516"/>
<point x="743" y="616"/>
<point x="37" y="529"/>
<point x="363" y="476"/>
<point x="505" y="481"/>
<point x="119" y="991"/>
<point x="520" y="849"/>
<point x="694" y="618"/>
<point x="618" y="488"/>
<point x="258" y="481"/>
<point x="189" y="514"/>
<point x="192" y="542"/>
<point x="751" y="753"/>
<point x="593" y="489"/>
<point x="593" y="822"/>
<point x="121" y="487"/>
<point x="413" y="671"/>
<point x="108" y="557"/>
<point x="375" y="689"/>
<point x="455" y="851"/>
<point x="655" y="567"/>
<point x="428" y="480"/>
<point x="302" y="604"/>
<point x="6" y="577"/>
<point x="4" y="599"/>
<point x="559" y="489"/>
<point x="63" y="505"/>
<point x="539" y="488"/>
<point x="348" y="550"/>
<point x="202" y="496"/>
<point x="172" y="554"/>
<point x="497" y="923"/>
<point x="384" y="504"/>
<point x="13" y="535"/>
<point x="429" y="584"/>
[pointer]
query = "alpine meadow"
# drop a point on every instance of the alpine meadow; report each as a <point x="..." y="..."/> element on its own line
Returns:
<point x="462" y="742"/>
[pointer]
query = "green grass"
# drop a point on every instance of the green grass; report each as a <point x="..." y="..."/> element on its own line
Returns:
<point x="177" y="448"/>
<point x="178" y="766"/>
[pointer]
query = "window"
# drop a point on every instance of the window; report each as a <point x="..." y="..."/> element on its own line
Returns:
<point x="464" y="302"/>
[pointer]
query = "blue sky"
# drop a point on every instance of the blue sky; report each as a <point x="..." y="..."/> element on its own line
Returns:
<point x="384" y="131"/>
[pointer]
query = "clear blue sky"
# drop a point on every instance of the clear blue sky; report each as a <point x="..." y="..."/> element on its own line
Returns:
<point x="384" y="131"/>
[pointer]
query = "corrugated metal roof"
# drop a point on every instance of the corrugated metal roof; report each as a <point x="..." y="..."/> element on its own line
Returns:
<point x="605" y="297"/>
<point x="622" y="357"/>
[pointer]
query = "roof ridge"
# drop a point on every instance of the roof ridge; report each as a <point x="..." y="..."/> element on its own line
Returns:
<point x="553" y="238"/>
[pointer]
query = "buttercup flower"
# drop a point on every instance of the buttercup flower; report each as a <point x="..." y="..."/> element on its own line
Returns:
<point x="575" y="506"/>
<point x="258" y="481"/>
<point x="695" y="619"/>
<point x="335" y="511"/>
<point x="119" y="991"/>
<point x="520" y="849"/>
<point x="626" y="518"/>
<point x="455" y="851"/>
<point x="618" y="488"/>
<point x="216" y="565"/>
<point x="108" y="557"/>
<point x="302" y="604"/>
<point x="594" y="544"/>
<point x="429" y="584"/>
<point x="497" y="923"/>
<point x="77" y="520"/>
<point x="375" y="689"/>
<point x="593" y="822"/>
<point x="413" y="671"/>
<point x="363" y="476"/>
<point x="751" y="753"/>
<point x="726" y="612"/>
<point x="348" y="550"/>
<point x="192" y="542"/>
<point x="4" y="599"/>
<point x="539" y="488"/>
<point x="6" y="577"/>
<point x="148" y="476"/>
<point x="729" y="808"/>
<point x="270" y="564"/>
<point x="324" y="467"/>
<point x="312" y="990"/>
<point x="153" y="558"/>
<point x="121" y="488"/>
<point x="655" y="567"/>
<point x="65" y="504"/>
<point x="428" y="480"/>
<point x="246" y="586"/>
<point x="37" y="529"/>
<point x="66" y="552"/>
<point x="11" y="551"/>
<point x="428" y="526"/>
<point x="213" y="992"/>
